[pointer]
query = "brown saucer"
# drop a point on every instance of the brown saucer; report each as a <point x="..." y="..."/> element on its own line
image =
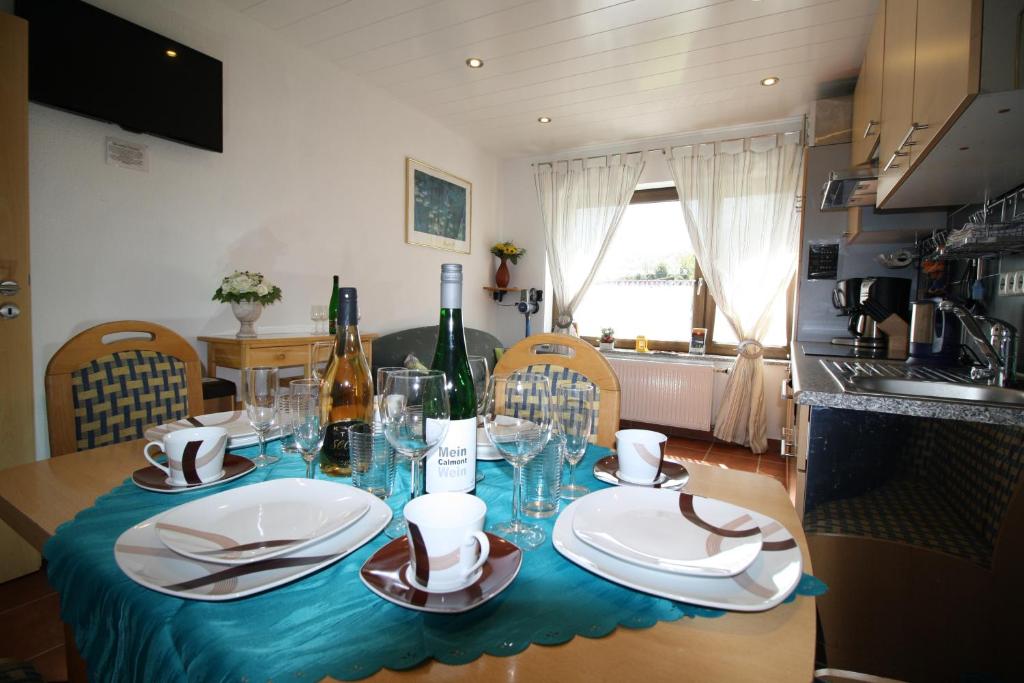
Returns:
<point x="155" y="479"/>
<point x="385" y="574"/>
<point x="673" y="474"/>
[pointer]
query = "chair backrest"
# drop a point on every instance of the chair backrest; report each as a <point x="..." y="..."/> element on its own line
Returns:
<point x="568" y="359"/>
<point x="391" y="349"/>
<point x="112" y="381"/>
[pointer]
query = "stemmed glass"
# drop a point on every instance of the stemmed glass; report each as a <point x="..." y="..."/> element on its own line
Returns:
<point x="320" y="350"/>
<point x="517" y="419"/>
<point x="415" y="414"/>
<point x="307" y="426"/>
<point x="574" y="419"/>
<point x="261" y="389"/>
<point x="478" y="370"/>
<point x="316" y="314"/>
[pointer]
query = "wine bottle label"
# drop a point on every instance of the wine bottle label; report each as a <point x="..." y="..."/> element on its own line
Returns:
<point x="452" y="465"/>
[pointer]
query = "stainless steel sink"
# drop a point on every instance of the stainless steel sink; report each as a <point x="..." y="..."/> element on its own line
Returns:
<point x="879" y="378"/>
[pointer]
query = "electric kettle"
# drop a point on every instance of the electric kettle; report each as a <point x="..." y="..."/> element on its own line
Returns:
<point x="934" y="334"/>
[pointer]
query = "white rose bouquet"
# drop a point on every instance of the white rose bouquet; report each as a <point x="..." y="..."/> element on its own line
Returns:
<point x="243" y="285"/>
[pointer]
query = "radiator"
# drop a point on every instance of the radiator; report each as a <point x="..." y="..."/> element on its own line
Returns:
<point x="670" y="394"/>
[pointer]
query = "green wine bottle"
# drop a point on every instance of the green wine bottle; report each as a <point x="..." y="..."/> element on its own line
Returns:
<point x="332" y="312"/>
<point x="347" y="395"/>
<point x="452" y="466"/>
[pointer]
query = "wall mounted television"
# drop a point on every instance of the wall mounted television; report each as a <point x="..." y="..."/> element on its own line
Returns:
<point x="93" y="63"/>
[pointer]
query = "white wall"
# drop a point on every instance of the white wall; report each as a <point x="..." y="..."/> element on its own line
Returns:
<point x="311" y="183"/>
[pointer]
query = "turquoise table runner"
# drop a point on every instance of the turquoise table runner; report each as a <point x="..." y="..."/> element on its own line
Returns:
<point x="328" y="623"/>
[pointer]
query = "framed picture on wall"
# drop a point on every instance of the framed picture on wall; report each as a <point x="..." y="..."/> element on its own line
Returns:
<point x="438" y="208"/>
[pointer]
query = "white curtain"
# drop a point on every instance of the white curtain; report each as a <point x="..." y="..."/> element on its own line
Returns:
<point x="739" y="201"/>
<point x="581" y="203"/>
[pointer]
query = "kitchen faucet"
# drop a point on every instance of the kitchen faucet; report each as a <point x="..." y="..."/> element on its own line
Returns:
<point x="999" y="349"/>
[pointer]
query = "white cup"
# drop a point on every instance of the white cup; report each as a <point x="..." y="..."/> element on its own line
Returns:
<point x="445" y="530"/>
<point x="194" y="455"/>
<point x="641" y="453"/>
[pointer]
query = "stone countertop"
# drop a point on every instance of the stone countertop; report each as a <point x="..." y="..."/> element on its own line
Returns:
<point x="814" y="386"/>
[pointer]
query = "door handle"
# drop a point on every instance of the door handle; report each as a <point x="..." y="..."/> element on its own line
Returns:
<point x="867" y="130"/>
<point x="9" y="288"/>
<point x="9" y="311"/>
<point x="914" y="127"/>
<point x="895" y="155"/>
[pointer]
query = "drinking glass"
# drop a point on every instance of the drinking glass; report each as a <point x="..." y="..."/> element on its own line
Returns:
<point x="415" y="414"/>
<point x="478" y="369"/>
<point x="285" y="413"/>
<point x="261" y="389"/>
<point x="307" y="426"/>
<point x="320" y="353"/>
<point x="574" y="419"/>
<point x="517" y="419"/>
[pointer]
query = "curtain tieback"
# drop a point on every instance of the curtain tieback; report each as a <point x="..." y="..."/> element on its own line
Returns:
<point x="751" y="348"/>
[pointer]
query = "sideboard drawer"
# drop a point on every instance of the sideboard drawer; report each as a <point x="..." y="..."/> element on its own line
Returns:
<point x="279" y="356"/>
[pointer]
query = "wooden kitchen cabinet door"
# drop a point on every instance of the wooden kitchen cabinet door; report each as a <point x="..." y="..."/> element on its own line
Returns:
<point x="897" y="94"/>
<point x="867" y="97"/>
<point x="947" y="66"/>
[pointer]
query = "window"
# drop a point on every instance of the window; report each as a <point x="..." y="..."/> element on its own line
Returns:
<point x="650" y="284"/>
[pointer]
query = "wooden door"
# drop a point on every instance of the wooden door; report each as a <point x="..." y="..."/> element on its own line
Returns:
<point x="867" y="98"/>
<point x="947" y="67"/>
<point x="897" y="94"/>
<point x="16" y="399"/>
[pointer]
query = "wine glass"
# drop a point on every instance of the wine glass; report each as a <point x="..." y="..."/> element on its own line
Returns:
<point x="307" y="426"/>
<point x="314" y="315"/>
<point x="415" y="414"/>
<point x="320" y="353"/>
<point x="517" y="419"/>
<point x="261" y="389"/>
<point x="574" y="418"/>
<point x="478" y="370"/>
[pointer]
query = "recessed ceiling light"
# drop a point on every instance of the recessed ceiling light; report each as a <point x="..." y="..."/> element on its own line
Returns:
<point x="474" y="62"/>
<point x="544" y="119"/>
<point x="170" y="53"/>
<point x="771" y="80"/>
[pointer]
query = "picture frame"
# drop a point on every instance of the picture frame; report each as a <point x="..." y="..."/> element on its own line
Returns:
<point x="438" y="208"/>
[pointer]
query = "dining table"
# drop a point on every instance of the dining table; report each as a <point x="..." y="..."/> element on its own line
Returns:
<point x="773" y="645"/>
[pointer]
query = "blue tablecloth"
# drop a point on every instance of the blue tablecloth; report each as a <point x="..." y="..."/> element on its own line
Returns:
<point x="328" y="623"/>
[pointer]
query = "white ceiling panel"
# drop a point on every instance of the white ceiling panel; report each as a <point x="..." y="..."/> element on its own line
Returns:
<point x="603" y="70"/>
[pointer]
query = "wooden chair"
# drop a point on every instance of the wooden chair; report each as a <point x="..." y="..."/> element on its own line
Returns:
<point x="102" y="389"/>
<point x="568" y="359"/>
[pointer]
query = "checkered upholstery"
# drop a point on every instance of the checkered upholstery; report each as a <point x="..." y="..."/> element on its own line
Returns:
<point x="559" y="375"/>
<point x="117" y="396"/>
<point x="906" y="511"/>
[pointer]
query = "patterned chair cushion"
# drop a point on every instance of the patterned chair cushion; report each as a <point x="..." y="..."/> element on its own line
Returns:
<point x="116" y="397"/>
<point x="559" y="375"/>
<point x="975" y="466"/>
<point x="14" y="671"/>
<point x="906" y="511"/>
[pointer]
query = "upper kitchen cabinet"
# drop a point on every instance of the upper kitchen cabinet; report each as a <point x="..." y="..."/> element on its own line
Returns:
<point x="897" y="93"/>
<point x="952" y="107"/>
<point x="867" y="98"/>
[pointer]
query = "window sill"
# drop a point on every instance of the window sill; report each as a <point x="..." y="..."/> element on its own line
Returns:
<point x="675" y="357"/>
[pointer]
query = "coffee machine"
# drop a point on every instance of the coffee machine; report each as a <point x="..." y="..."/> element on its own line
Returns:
<point x="888" y="294"/>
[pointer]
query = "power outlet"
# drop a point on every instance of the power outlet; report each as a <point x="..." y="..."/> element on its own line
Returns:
<point x="1012" y="283"/>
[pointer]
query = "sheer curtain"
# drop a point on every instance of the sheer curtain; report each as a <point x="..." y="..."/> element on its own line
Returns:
<point x="581" y="203"/>
<point x="739" y="205"/>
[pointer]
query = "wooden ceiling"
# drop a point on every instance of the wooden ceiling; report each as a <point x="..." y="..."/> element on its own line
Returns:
<point x="603" y="70"/>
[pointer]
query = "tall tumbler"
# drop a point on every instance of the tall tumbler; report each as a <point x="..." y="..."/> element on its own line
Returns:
<point x="542" y="479"/>
<point x="373" y="459"/>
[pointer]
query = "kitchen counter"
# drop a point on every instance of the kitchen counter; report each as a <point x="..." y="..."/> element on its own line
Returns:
<point x="814" y="386"/>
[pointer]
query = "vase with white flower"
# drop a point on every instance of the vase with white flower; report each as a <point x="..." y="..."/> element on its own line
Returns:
<point x="506" y="251"/>
<point x="248" y="293"/>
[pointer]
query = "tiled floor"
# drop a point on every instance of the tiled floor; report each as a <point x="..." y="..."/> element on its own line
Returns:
<point x="30" y="627"/>
<point x="727" y="455"/>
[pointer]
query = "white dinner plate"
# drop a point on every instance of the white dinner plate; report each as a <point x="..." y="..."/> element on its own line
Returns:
<point x="261" y="521"/>
<point x="765" y="583"/>
<point x="147" y="561"/>
<point x="485" y="450"/>
<point x="669" y="531"/>
<point x="236" y="422"/>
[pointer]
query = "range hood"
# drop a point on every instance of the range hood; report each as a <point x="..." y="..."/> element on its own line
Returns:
<point x="848" y="188"/>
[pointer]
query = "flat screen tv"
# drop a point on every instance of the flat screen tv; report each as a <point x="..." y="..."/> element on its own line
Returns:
<point x="90" y="62"/>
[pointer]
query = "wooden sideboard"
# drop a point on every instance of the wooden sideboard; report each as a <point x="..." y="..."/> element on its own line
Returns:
<point x="269" y="350"/>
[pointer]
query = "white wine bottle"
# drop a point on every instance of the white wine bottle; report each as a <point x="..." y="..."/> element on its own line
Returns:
<point x="348" y="396"/>
<point x="452" y="465"/>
